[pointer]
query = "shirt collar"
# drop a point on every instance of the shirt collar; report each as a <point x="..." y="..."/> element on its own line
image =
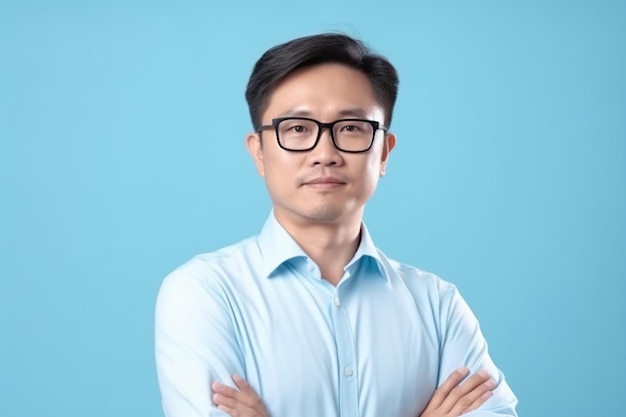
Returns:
<point x="277" y="247"/>
<point x="367" y="249"/>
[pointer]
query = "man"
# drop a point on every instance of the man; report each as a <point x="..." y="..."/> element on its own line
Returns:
<point x="314" y="318"/>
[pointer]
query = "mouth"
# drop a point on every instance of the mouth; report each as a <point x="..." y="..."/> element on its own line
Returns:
<point x="324" y="183"/>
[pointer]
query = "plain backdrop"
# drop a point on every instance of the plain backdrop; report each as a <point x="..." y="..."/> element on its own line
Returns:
<point x="122" y="156"/>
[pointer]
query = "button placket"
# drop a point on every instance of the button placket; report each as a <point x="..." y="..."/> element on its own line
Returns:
<point x="337" y="301"/>
<point x="346" y="356"/>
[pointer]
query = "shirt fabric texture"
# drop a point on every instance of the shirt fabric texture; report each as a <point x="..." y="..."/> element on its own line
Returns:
<point x="377" y="344"/>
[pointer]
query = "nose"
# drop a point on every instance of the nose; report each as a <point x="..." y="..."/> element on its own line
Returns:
<point x="325" y="153"/>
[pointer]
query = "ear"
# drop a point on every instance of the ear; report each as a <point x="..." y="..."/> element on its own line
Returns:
<point x="255" y="148"/>
<point x="389" y="144"/>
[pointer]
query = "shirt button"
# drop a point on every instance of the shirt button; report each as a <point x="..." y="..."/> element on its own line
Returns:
<point x="347" y="371"/>
<point x="337" y="301"/>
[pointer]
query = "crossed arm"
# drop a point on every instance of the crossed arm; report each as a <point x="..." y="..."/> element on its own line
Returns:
<point x="452" y="399"/>
<point x="195" y="343"/>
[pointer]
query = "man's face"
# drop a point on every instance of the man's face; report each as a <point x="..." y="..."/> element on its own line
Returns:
<point x="323" y="185"/>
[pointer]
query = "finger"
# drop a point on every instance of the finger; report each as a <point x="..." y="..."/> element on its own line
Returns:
<point x="224" y="390"/>
<point x="240" y="411"/>
<point x="249" y="395"/>
<point x="449" y="384"/>
<point x="470" y="384"/>
<point x="478" y="402"/>
<point x="229" y="402"/>
<point x="231" y="397"/>
<point x="243" y="386"/>
<point x="466" y="398"/>
<point x="230" y="411"/>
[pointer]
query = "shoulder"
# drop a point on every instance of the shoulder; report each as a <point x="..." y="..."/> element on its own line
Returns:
<point x="417" y="280"/>
<point x="211" y="272"/>
<point x="431" y="294"/>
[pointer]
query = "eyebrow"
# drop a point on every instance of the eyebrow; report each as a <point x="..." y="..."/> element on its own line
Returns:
<point x="353" y="112"/>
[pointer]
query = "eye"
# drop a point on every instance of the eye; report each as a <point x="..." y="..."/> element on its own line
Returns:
<point x="354" y="127"/>
<point x="298" y="128"/>
<point x="351" y="128"/>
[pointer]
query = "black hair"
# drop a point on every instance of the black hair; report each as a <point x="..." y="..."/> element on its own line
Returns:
<point x="281" y="60"/>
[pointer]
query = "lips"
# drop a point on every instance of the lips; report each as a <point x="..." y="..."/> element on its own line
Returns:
<point x="324" y="180"/>
<point x="327" y="183"/>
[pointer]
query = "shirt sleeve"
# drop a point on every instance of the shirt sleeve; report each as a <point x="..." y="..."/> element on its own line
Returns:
<point x="463" y="344"/>
<point x="195" y="344"/>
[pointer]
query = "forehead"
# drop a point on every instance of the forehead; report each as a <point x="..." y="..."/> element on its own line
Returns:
<point x="323" y="90"/>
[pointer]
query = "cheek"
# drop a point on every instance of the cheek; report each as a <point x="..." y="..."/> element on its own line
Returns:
<point x="374" y="166"/>
<point x="372" y="180"/>
<point x="367" y="176"/>
<point x="279" y="170"/>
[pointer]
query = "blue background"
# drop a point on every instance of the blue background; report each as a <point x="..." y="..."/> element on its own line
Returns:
<point x="121" y="156"/>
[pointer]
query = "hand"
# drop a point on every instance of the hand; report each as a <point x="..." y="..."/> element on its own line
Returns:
<point x="238" y="403"/>
<point x="452" y="399"/>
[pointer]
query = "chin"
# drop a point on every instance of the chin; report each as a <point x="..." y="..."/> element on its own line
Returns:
<point x="326" y="213"/>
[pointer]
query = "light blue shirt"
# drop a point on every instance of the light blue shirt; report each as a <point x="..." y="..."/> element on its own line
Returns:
<point x="377" y="344"/>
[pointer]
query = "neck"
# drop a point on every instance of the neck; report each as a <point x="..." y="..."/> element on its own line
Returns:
<point x="330" y="245"/>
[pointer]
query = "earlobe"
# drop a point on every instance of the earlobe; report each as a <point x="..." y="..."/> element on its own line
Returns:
<point x="255" y="148"/>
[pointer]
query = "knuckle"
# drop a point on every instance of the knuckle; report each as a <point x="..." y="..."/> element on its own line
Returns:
<point x="490" y="384"/>
<point x="456" y="392"/>
<point x="464" y="402"/>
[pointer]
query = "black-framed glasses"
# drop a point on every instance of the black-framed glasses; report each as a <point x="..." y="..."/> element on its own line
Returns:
<point x="301" y="134"/>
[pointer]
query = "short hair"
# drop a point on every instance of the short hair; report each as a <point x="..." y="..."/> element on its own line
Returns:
<point x="282" y="60"/>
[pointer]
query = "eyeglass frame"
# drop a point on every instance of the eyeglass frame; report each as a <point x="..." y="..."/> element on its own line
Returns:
<point x="276" y="121"/>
